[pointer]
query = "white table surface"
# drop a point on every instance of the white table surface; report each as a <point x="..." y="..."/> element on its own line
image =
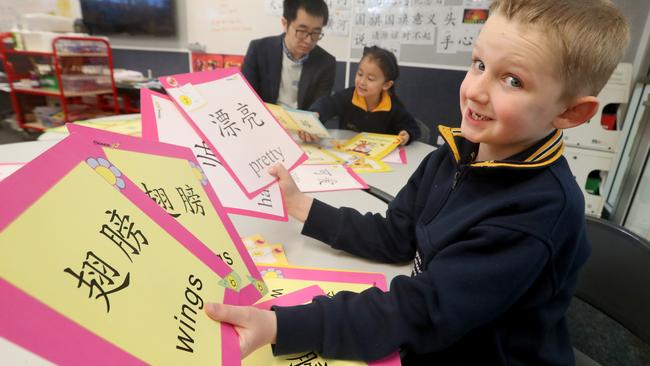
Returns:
<point x="300" y="250"/>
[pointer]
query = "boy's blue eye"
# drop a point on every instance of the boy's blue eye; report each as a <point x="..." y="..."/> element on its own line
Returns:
<point x="513" y="82"/>
<point x="479" y="65"/>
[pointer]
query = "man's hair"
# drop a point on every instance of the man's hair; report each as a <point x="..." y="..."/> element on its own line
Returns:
<point x="315" y="8"/>
<point x="589" y="36"/>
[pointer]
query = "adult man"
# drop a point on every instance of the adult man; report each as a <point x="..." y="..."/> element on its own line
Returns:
<point x="291" y="69"/>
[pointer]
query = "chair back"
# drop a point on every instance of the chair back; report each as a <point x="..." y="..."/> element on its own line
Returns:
<point x="425" y="132"/>
<point x="616" y="278"/>
<point x="609" y="317"/>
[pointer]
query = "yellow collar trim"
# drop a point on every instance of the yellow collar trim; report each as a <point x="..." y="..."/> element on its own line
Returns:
<point x="545" y="155"/>
<point x="384" y="104"/>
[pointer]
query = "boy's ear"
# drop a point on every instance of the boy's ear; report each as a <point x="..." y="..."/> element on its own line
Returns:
<point x="579" y="111"/>
<point x="284" y="24"/>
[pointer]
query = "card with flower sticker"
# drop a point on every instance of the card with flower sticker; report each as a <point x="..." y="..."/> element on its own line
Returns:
<point x="297" y="285"/>
<point x="171" y="177"/>
<point x="370" y="145"/>
<point x="236" y="125"/>
<point x="326" y="178"/>
<point x="93" y="270"/>
<point x="162" y="121"/>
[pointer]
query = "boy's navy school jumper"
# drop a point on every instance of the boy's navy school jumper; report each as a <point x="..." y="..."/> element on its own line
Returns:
<point x="389" y="117"/>
<point x="496" y="246"/>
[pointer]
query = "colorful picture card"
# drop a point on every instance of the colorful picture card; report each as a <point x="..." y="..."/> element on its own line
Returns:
<point x="282" y="116"/>
<point x="171" y="177"/>
<point x="93" y="271"/>
<point x="162" y="121"/>
<point x="308" y="121"/>
<point x="326" y="178"/>
<point x="284" y="279"/>
<point x="397" y="156"/>
<point x="370" y="145"/>
<point x="234" y="122"/>
<point x="318" y="155"/>
<point x="296" y="283"/>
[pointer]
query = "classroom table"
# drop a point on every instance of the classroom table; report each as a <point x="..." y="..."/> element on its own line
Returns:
<point x="391" y="182"/>
<point x="299" y="249"/>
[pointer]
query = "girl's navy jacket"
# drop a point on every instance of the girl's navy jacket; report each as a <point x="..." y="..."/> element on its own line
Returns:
<point x="389" y="117"/>
<point x="496" y="246"/>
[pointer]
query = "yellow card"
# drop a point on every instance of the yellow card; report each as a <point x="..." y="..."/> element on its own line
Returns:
<point x="361" y="165"/>
<point x="272" y="254"/>
<point x="371" y="145"/>
<point x="318" y="155"/>
<point x="282" y="116"/>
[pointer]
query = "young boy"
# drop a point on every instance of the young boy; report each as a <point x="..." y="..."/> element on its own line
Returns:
<point x="494" y="219"/>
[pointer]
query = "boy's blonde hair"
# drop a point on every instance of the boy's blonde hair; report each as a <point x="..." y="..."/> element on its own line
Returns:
<point x="589" y="37"/>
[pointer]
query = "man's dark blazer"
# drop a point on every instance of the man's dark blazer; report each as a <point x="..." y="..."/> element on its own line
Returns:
<point x="263" y="69"/>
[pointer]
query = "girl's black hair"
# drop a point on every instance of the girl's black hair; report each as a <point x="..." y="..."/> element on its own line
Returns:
<point x="386" y="61"/>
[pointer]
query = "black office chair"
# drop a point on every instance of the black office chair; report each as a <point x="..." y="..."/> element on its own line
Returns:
<point x="609" y="317"/>
<point x="425" y="132"/>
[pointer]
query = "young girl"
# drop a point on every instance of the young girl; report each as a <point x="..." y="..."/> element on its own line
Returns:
<point x="371" y="105"/>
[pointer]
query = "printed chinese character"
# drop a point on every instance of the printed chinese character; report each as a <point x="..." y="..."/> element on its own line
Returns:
<point x="446" y="41"/>
<point x="226" y="126"/>
<point x="306" y="360"/>
<point x="124" y="235"/>
<point x="248" y="116"/>
<point x="99" y="275"/>
<point x="207" y="157"/>
<point x="191" y="201"/>
<point x="327" y="181"/>
<point x="159" y="196"/>
<point x="450" y="19"/>
<point x="432" y="19"/>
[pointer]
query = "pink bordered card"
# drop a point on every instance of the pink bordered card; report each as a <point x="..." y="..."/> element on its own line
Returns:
<point x="397" y="156"/>
<point x="326" y="178"/>
<point x="162" y="121"/>
<point x="172" y="177"/>
<point x="7" y="169"/>
<point x="235" y="123"/>
<point x="289" y="281"/>
<point x="93" y="271"/>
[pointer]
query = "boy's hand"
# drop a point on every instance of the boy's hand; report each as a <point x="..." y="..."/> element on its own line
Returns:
<point x="255" y="327"/>
<point x="298" y="204"/>
<point x="308" y="137"/>
<point x="403" y="137"/>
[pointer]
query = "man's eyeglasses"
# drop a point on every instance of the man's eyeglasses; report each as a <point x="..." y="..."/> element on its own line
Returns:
<point x="303" y="34"/>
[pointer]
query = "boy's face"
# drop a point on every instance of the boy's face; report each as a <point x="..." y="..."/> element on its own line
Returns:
<point x="510" y="97"/>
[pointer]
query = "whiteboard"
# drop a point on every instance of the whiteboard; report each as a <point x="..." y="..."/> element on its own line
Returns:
<point x="228" y="26"/>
